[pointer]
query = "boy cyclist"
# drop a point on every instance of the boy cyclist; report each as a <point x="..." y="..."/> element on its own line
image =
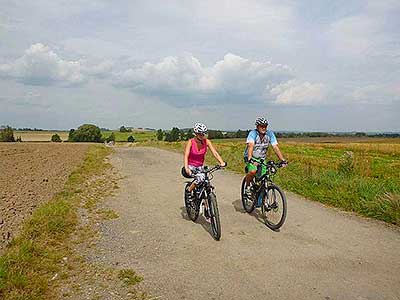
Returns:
<point x="257" y="142"/>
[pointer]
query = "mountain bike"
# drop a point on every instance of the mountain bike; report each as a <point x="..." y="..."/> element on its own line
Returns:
<point x="205" y="192"/>
<point x="266" y="195"/>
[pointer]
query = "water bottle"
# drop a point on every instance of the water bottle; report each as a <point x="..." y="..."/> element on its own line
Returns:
<point x="259" y="200"/>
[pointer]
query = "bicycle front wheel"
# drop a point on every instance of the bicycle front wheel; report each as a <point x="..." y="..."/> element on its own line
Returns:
<point x="214" y="215"/>
<point x="274" y="207"/>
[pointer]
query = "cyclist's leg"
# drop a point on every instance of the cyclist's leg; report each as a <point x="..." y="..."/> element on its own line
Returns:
<point x="252" y="169"/>
<point x="199" y="176"/>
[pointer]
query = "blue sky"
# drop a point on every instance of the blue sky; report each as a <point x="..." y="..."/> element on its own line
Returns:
<point x="305" y="65"/>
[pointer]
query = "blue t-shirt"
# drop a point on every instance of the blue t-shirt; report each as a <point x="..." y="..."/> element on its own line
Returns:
<point x="260" y="145"/>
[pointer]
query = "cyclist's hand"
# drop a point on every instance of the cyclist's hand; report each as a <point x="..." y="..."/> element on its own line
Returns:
<point x="188" y="171"/>
<point x="224" y="164"/>
<point x="252" y="161"/>
<point x="283" y="163"/>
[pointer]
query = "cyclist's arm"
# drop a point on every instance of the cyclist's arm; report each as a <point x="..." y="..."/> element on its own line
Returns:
<point x="186" y="157"/>
<point x="250" y="148"/>
<point x="278" y="152"/>
<point x="215" y="153"/>
<point x="275" y="146"/>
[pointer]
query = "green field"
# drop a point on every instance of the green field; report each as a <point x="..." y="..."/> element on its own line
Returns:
<point x="360" y="176"/>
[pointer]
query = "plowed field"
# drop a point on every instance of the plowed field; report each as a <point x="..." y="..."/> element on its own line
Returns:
<point x="30" y="174"/>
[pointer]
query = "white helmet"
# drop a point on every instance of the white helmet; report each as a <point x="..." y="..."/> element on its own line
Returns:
<point x="200" y="128"/>
<point x="261" y="121"/>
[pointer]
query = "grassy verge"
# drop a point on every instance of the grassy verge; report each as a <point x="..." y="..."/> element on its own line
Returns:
<point x="360" y="177"/>
<point x="35" y="256"/>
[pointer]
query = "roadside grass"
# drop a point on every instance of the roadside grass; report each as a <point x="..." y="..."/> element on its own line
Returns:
<point x="359" y="177"/>
<point x="129" y="277"/>
<point x="34" y="257"/>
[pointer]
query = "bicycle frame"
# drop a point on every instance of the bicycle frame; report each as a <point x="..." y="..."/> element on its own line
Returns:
<point x="266" y="179"/>
<point x="202" y="191"/>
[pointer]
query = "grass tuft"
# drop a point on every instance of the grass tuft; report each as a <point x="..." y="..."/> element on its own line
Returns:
<point x="129" y="277"/>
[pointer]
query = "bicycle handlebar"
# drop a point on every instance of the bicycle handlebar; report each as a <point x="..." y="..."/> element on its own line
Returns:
<point x="215" y="168"/>
<point x="272" y="163"/>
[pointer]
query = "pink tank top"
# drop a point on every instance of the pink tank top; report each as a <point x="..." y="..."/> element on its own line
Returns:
<point x="196" y="157"/>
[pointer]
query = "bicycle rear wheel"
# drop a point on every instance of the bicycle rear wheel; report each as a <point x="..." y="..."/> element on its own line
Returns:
<point x="214" y="215"/>
<point x="191" y="206"/>
<point x="274" y="207"/>
<point x="248" y="204"/>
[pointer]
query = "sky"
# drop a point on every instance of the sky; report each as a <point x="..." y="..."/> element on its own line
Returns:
<point x="304" y="65"/>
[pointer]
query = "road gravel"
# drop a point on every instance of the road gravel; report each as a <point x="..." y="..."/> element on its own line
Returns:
<point x="319" y="253"/>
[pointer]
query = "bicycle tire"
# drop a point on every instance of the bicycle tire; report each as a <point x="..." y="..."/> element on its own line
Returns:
<point x="273" y="207"/>
<point x="214" y="215"/>
<point x="192" y="208"/>
<point x="248" y="205"/>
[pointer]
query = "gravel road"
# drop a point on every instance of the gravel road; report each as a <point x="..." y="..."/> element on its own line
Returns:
<point x="320" y="252"/>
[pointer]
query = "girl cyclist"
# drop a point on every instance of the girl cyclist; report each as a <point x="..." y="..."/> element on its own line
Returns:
<point x="195" y="152"/>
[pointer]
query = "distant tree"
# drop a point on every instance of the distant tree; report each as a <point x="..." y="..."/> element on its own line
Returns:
<point x="55" y="138"/>
<point x="19" y="139"/>
<point x="242" y="133"/>
<point x="360" y="134"/>
<point x="175" y="134"/>
<point x="111" y="138"/>
<point x="7" y="134"/>
<point x="123" y="129"/>
<point x="85" y="133"/>
<point x="189" y="134"/>
<point x="215" y="134"/>
<point x="167" y="136"/>
<point x="131" y="139"/>
<point x="160" y="135"/>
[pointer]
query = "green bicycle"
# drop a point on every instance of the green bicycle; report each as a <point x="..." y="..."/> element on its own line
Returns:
<point x="267" y="196"/>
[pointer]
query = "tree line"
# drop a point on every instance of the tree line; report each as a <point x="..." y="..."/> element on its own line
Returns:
<point x="176" y="134"/>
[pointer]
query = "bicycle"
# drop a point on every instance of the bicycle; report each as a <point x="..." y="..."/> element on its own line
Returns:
<point x="204" y="192"/>
<point x="266" y="195"/>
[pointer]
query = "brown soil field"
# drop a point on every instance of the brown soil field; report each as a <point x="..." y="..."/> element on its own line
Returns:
<point x="32" y="174"/>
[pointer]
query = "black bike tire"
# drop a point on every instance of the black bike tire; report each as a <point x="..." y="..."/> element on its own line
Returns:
<point x="214" y="215"/>
<point x="275" y="226"/>
<point x="193" y="213"/>
<point x="243" y="196"/>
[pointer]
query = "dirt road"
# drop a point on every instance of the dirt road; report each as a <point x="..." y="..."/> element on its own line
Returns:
<point x="320" y="253"/>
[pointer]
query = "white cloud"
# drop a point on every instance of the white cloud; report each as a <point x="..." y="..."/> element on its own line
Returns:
<point x="376" y="93"/>
<point x="41" y="66"/>
<point x="233" y="77"/>
<point x="299" y="93"/>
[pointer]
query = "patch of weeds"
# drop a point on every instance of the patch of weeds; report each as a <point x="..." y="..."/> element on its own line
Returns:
<point x="129" y="277"/>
